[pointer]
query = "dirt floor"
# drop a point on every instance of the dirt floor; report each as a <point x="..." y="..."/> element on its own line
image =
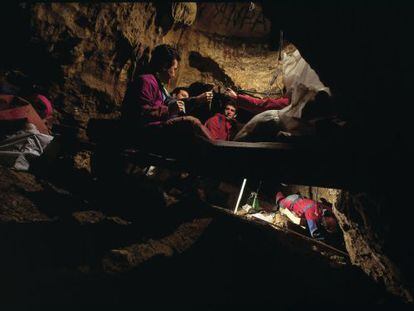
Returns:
<point x="68" y="238"/>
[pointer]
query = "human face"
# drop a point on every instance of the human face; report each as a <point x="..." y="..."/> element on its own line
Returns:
<point x="170" y="73"/>
<point x="182" y="94"/>
<point x="230" y="111"/>
<point x="173" y="69"/>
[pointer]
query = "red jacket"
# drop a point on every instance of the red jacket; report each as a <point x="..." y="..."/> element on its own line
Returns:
<point x="145" y="101"/>
<point x="257" y="105"/>
<point x="220" y="127"/>
<point x="17" y="108"/>
<point x="306" y="208"/>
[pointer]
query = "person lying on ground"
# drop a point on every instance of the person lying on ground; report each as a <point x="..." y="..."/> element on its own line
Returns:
<point x="278" y="123"/>
<point x="257" y="105"/>
<point x="270" y="123"/>
<point x="318" y="215"/>
<point x="29" y="91"/>
<point x="16" y="111"/>
<point x="274" y="125"/>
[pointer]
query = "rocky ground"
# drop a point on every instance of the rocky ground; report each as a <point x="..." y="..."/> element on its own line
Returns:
<point x="69" y="238"/>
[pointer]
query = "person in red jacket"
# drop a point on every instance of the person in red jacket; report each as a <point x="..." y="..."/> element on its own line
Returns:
<point x="223" y="126"/>
<point x="257" y="105"/>
<point x="319" y="216"/>
<point x="148" y="105"/>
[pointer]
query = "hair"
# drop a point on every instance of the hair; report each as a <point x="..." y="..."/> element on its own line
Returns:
<point x="178" y="89"/>
<point x="163" y="57"/>
<point x="197" y="88"/>
<point x="231" y="103"/>
<point x="330" y="224"/>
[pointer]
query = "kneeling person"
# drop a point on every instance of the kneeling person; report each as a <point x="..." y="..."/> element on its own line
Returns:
<point x="319" y="217"/>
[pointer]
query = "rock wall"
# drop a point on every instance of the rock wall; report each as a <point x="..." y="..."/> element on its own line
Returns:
<point x="369" y="226"/>
<point x="95" y="45"/>
<point x="83" y="55"/>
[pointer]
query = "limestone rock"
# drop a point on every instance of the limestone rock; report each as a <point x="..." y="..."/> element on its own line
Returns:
<point x="92" y="48"/>
<point x="15" y="206"/>
<point x="184" y="12"/>
<point x="94" y="217"/>
<point x="357" y="215"/>
<point x="125" y="259"/>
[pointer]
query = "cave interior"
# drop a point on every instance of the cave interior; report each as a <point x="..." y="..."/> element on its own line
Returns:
<point x="88" y="223"/>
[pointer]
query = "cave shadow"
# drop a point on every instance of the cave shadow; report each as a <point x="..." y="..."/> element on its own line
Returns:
<point x="206" y="64"/>
<point x="233" y="261"/>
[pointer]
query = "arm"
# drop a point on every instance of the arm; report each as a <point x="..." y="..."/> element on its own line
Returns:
<point x="147" y="95"/>
<point x="197" y="102"/>
<point x="257" y="105"/>
<point x="176" y="107"/>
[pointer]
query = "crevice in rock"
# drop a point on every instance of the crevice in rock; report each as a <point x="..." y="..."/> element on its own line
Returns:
<point x="208" y="65"/>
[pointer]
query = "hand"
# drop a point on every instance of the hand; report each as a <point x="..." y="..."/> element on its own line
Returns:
<point x="318" y="235"/>
<point x="176" y="108"/>
<point x="230" y="93"/>
<point x="180" y="107"/>
<point x="205" y="98"/>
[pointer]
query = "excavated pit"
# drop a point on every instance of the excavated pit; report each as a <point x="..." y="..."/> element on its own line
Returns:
<point x="69" y="236"/>
<point x="72" y="250"/>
